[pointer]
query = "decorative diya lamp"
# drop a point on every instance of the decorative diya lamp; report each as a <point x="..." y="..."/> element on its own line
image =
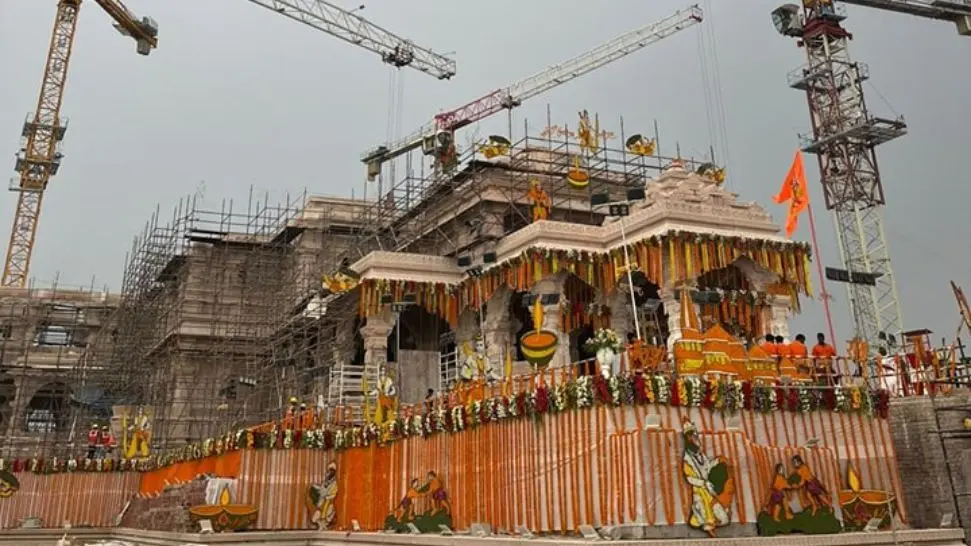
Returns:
<point x="224" y="515"/>
<point x="577" y="176"/>
<point x="859" y="505"/>
<point x="538" y="345"/>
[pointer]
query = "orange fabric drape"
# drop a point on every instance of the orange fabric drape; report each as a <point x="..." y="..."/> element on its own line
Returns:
<point x="226" y="465"/>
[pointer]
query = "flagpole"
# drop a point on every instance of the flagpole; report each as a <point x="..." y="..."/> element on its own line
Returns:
<point x="822" y="279"/>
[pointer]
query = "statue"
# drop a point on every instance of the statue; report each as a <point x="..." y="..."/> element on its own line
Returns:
<point x="540" y="199"/>
<point x="137" y="435"/>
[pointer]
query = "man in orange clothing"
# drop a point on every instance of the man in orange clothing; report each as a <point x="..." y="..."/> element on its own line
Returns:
<point x="823" y="355"/>
<point x="770" y="347"/>
<point x="799" y="354"/>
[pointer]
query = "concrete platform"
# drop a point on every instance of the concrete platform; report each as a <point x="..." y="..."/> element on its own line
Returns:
<point x="82" y="537"/>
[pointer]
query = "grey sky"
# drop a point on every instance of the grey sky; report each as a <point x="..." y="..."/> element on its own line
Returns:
<point x="238" y="96"/>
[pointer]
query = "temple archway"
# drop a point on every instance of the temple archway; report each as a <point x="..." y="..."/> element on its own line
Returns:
<point x="48" y="410"/>
<point x="420" y="331"/>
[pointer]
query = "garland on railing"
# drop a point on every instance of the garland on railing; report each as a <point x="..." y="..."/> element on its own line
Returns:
<point x="724" y="396"/>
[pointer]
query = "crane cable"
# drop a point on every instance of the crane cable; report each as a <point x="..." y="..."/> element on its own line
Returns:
<point x="715" y="110"/>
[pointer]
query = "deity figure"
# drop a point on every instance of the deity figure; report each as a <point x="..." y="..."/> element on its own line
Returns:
<point x="476" y="370"/>
<point x="321" y="499"/>
<point x="138" y="436"/>
<point x="540" y="199"/>
<point x="406" y="507"/>
<point x="587" y="133"/>
<point x="711" y="484"/>
<point x="387" y="397"/>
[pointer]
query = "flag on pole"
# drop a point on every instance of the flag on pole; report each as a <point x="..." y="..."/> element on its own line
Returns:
<point x="794" y="190"/>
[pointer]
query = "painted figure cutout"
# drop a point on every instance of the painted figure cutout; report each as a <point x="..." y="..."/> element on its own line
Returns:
<point x="587" y="133"/>
<point x="640" y="145"/>
<point x="812" y="494"/>
<point x="9" y="484"/>
<point x="777" y="505"/>
<point x="815" y="514"/>
<point x="424" y="505"/>
<point x="137" y="435"/>
<point x="387" y="397"/>
<point x="321" y="500"/>
<point x="540" y="200"/>
<point x="495" y="146"/>
<point x="712" y="485"/>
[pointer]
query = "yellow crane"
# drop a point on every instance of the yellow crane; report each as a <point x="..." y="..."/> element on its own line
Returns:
<point x="39" y="159"/>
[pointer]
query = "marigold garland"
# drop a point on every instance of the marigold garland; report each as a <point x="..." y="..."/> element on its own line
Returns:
<point x="723" y="395"/>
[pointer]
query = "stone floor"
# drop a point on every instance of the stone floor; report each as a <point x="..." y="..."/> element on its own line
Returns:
<point x="91" y="537"/>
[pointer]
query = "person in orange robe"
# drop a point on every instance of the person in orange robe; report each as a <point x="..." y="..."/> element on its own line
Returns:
<point x="823" y="355"/>
<point x="800" y="354"/>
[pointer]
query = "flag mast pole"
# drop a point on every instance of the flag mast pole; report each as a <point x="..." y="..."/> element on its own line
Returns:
<point x="819" y="271"/>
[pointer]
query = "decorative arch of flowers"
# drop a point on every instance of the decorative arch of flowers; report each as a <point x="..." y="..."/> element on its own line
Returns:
<point x="627" y="389"/>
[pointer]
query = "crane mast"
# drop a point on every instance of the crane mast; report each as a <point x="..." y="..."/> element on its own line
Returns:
<point x="844" y="139"/>
<point x="513" y="95"/>
<point x="357" y="30"/>
<point x="39" y="158"/>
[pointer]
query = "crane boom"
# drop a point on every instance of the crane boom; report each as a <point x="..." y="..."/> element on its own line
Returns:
<point x="513" y="95"/>
<point x="39" y="159"/>
<point x="357" y="30"/>
<point x="945" y="10"/>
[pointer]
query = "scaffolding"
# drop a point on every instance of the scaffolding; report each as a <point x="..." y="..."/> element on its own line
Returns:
<point x="43" y="336"/>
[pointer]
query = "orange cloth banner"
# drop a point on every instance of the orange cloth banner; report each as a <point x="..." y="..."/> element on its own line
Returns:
<point x="226" y="465"/>
<point x="794" y="190"/>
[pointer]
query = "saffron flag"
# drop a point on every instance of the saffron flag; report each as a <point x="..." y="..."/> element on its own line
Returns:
<point x="794" y="190"/>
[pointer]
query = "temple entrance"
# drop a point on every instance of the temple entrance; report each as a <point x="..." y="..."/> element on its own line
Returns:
<point x="418" y="351"/>
<point x="650" y="313"/>
<point x="726" y="299"/>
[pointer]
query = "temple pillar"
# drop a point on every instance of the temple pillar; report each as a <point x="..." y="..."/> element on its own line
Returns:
<point x="467" y="329"/>
<point x="499" y="331"/>
<point x="672" y="308"/>
<point x="551" y="316"/>
<point x="621" y="313"/>
<point x="779" y="311"/>
<point x="375" y="333"/>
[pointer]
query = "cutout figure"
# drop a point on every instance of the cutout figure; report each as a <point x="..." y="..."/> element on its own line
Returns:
<point x="712" y="485"/>
<point x="321" y="499"/>
<point x="540" y="199"/>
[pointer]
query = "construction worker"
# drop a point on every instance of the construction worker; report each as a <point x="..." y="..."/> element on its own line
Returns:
<point x="94" y="437"/>
<point x="107" y="442"/>
<point x="823" y="355"/>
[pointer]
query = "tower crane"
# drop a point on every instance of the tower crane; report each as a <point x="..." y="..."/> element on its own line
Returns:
<point x="39" y="159"/>
<point x="844" y="139"/>
<point x="356" y="30"/>
<point x="441" y="130"/>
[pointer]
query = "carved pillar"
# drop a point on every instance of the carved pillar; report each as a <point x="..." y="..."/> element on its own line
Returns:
<point x="672" y="308"/>
<point x="621" y="314"/>
<point x="375" y="333"/>
<point x="499" y="332"/>
<point x="780" y="308"/>
<point x="551" y="316"/>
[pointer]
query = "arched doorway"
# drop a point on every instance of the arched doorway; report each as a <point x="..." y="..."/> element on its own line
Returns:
<point x="48" y="410"/>
<point x="424" y="338"/>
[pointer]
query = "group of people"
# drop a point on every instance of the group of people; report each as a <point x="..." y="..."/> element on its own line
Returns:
<point x="101" y="442"/>
<point x="819" y="363"/>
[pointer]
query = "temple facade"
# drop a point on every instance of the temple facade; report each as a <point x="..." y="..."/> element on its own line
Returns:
<point x="424" y="314"/>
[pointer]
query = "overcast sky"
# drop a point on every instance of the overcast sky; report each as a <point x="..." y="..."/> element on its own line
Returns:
<point x="237" y="96"/>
